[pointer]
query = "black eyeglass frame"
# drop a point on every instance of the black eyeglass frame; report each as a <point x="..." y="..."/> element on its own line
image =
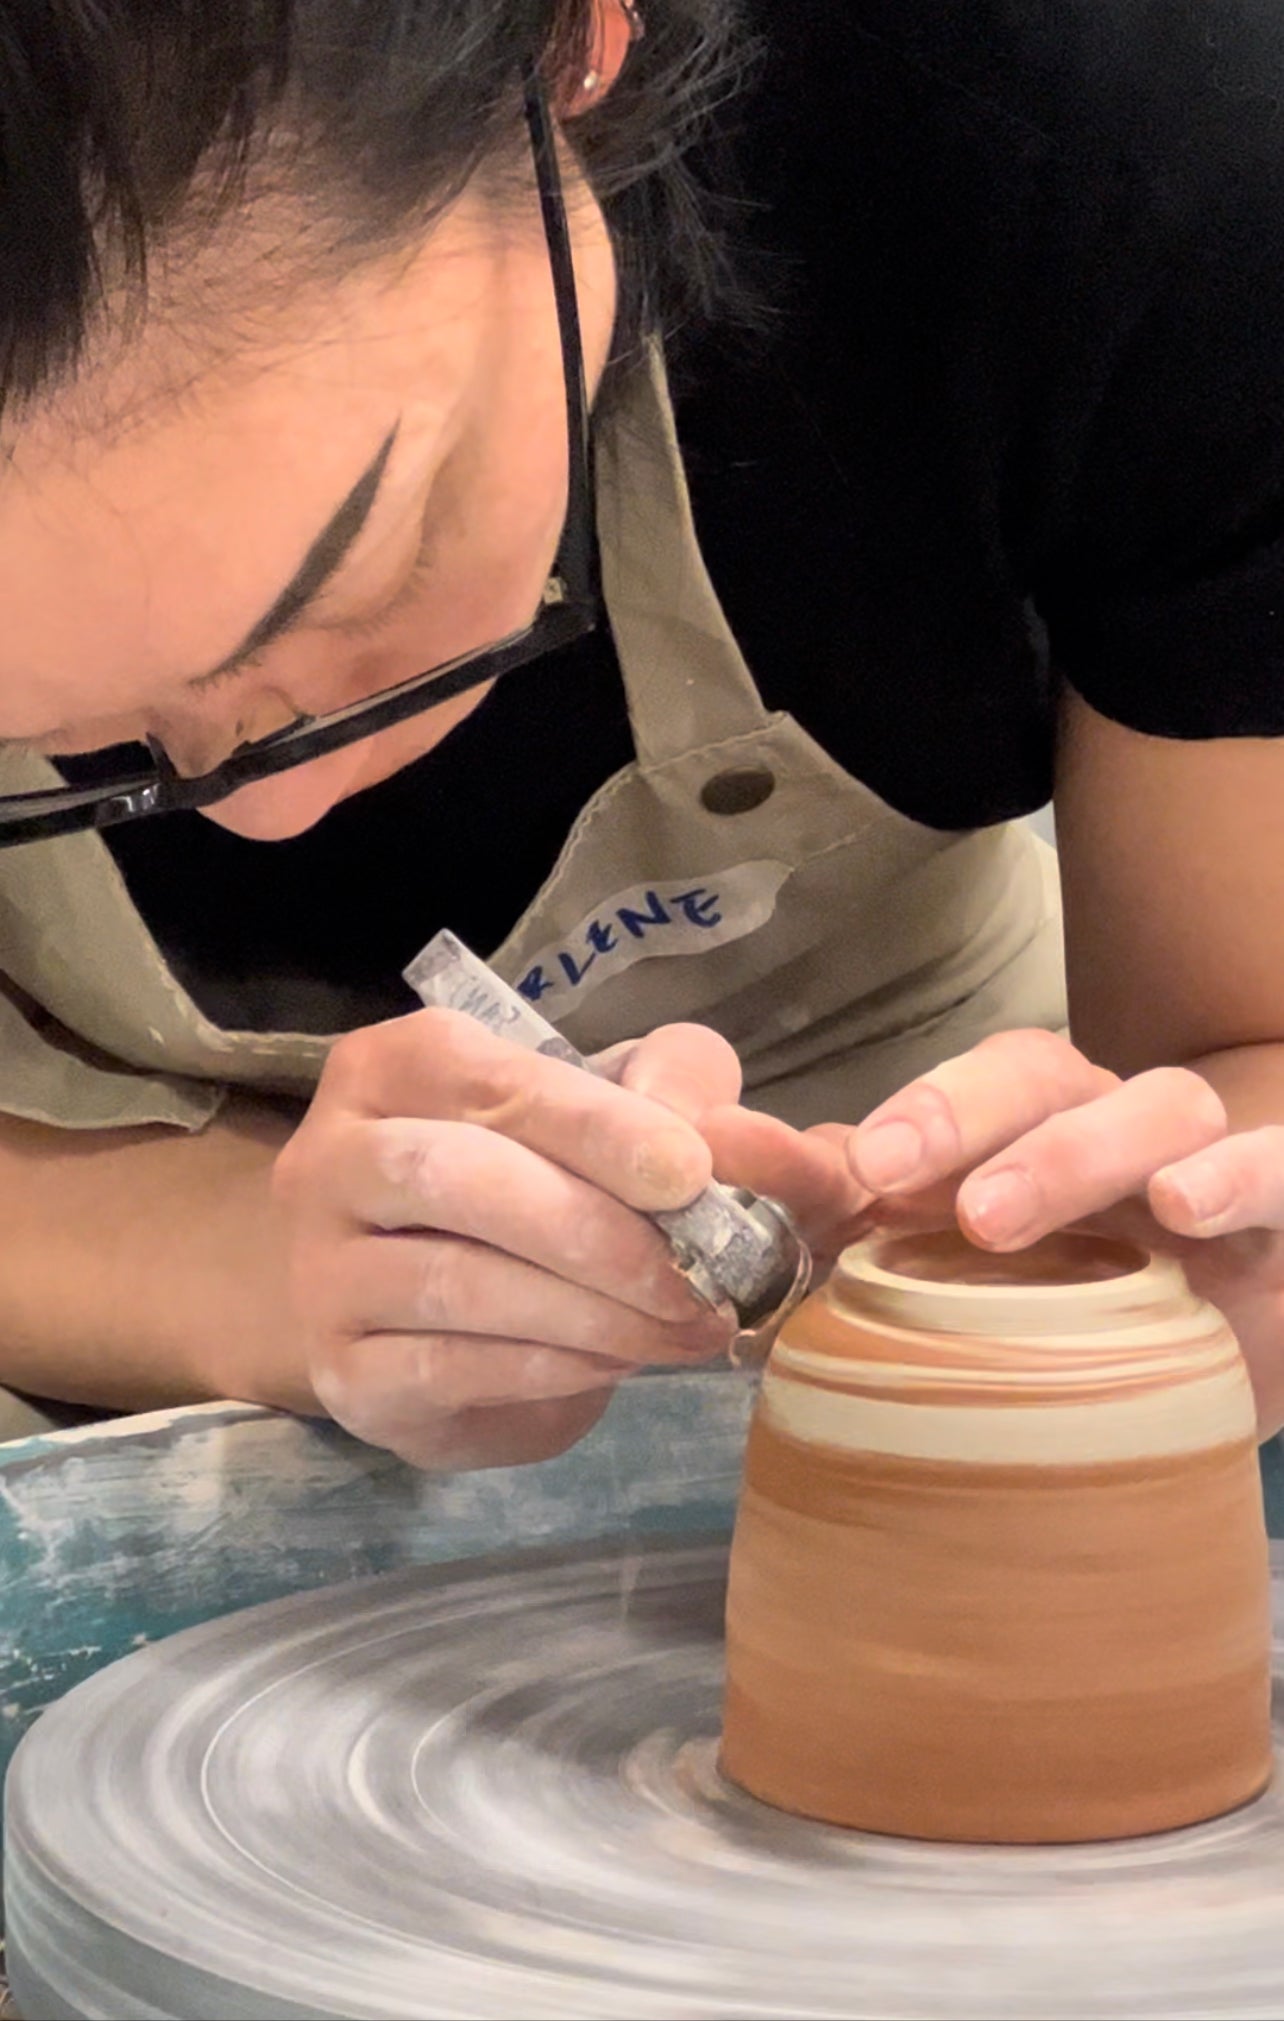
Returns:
<point x="571" y="609"/>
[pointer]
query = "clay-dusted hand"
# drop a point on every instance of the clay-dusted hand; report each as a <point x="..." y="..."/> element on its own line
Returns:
<point x="469" y="1260"/>
<point x="1023" y="1135"/>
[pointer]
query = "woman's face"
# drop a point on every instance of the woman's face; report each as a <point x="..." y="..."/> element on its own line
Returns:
<point x="138" y="560"/>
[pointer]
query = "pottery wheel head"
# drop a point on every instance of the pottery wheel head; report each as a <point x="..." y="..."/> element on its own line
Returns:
<point x="493" y="1791"/>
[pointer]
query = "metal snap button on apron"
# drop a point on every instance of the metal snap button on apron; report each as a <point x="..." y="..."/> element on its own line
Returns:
<point x="738" y="792"/>
<point x="841" y="947"/>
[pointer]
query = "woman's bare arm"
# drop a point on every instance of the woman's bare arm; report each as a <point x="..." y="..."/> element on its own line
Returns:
<point x="146" y="1267"/>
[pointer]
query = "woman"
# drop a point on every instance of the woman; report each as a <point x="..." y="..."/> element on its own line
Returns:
<point x="969" y="315"/>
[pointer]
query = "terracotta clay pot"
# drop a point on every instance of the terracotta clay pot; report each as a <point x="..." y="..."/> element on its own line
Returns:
<point x="1000" y="1569"/>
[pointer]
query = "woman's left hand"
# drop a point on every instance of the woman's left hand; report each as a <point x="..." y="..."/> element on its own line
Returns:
<point x="1023" y="1135"/>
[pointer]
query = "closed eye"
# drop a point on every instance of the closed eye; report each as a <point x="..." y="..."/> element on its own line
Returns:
<point x="420" y="569"/>
<point x="222" y="676"/>
<point x="348" y="628"/>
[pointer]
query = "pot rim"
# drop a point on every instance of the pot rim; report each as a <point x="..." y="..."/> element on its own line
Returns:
<point x="1155" y="1290"/>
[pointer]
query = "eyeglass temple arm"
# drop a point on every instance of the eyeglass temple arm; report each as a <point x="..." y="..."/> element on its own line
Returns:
<point x="578" y="555"/>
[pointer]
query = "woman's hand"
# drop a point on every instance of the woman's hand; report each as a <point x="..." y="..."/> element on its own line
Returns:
<point x="467" y="1257"/>
<point x="1023" y="1135"/>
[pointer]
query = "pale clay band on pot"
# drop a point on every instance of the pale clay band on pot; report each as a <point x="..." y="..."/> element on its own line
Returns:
<point x="1167" y="1385"/>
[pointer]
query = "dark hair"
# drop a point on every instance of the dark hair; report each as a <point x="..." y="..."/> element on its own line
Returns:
<point x="128" y="125"/>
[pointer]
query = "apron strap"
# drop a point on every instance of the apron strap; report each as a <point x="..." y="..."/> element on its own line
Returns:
<point x="684" y="674"/>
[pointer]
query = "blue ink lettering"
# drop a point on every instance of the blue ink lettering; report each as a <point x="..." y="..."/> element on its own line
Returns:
<point x="699" y="906"/>
<point x="637" y="923"/>
<point x="572" y="970"/>
<point x="534" y="985"/>
<point x="601" y="937"/>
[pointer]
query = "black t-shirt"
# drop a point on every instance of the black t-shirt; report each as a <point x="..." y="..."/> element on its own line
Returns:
<point x="1015" y="416"/>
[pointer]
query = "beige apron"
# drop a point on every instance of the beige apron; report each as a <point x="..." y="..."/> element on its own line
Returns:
<point x="733" y="874"/>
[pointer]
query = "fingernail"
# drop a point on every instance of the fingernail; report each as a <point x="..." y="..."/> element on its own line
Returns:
<point x="1002" y="1207"/>
<point x="1205" y="1196"/>
<point x="663" y="1163"/>
<point x="890" y="1154"/>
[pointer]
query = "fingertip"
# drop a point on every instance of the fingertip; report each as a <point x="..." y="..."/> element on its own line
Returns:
<point x="1170" y="1210"/>
<point x="992" y="1241"/>
<point x="1192" y="1198"/>
<point x="685" y="1067"/>
<point x="671" y="1165"/>
<point x="888" y="1156"/>
<point x="681" y="1095"/>
<point x="849" y="1150"/>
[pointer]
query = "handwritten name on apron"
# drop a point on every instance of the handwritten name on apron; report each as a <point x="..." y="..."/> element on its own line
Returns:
<point x="676" y="916"/>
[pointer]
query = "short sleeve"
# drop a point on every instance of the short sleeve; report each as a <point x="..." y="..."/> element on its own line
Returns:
<point x="1159" y="570"/>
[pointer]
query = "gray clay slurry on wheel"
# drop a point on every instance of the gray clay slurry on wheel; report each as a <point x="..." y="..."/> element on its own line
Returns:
<point x="493" y="1792"/>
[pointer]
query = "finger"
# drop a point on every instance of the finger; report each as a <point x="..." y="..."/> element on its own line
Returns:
<point x="384" y="1383"/>
<point x="685" y="1067"/>
<point x="1235" y="1184"/>
<point x="906" y="1213"/>
<point x="496" y="1435"/>
<point x="440" y="1285"/>
<point x="968" y="1107"/>
<point x="807" y="1171"/>
<point x="1082" y="1160"/>
<point x="830" y="1133"/>
<point x="464" y="1180"/>
<point x="441" y="1064"/>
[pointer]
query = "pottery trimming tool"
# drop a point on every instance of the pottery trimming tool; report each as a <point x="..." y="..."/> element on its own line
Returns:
<point x="732" y="1246"/>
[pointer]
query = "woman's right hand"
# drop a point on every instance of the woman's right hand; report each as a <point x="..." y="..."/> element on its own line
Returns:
<point x="467" y="1258"/>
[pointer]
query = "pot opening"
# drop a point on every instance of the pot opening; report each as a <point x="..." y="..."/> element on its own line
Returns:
<point x="945" y="1256"/>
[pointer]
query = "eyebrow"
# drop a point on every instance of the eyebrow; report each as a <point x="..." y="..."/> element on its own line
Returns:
<point x="319" y="564"/>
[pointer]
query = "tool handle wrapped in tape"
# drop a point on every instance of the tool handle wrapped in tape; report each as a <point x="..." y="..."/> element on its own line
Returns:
<point x="733" y="1247"/>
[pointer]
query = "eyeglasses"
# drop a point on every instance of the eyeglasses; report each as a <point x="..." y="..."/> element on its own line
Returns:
<point x="571" y="608"/>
